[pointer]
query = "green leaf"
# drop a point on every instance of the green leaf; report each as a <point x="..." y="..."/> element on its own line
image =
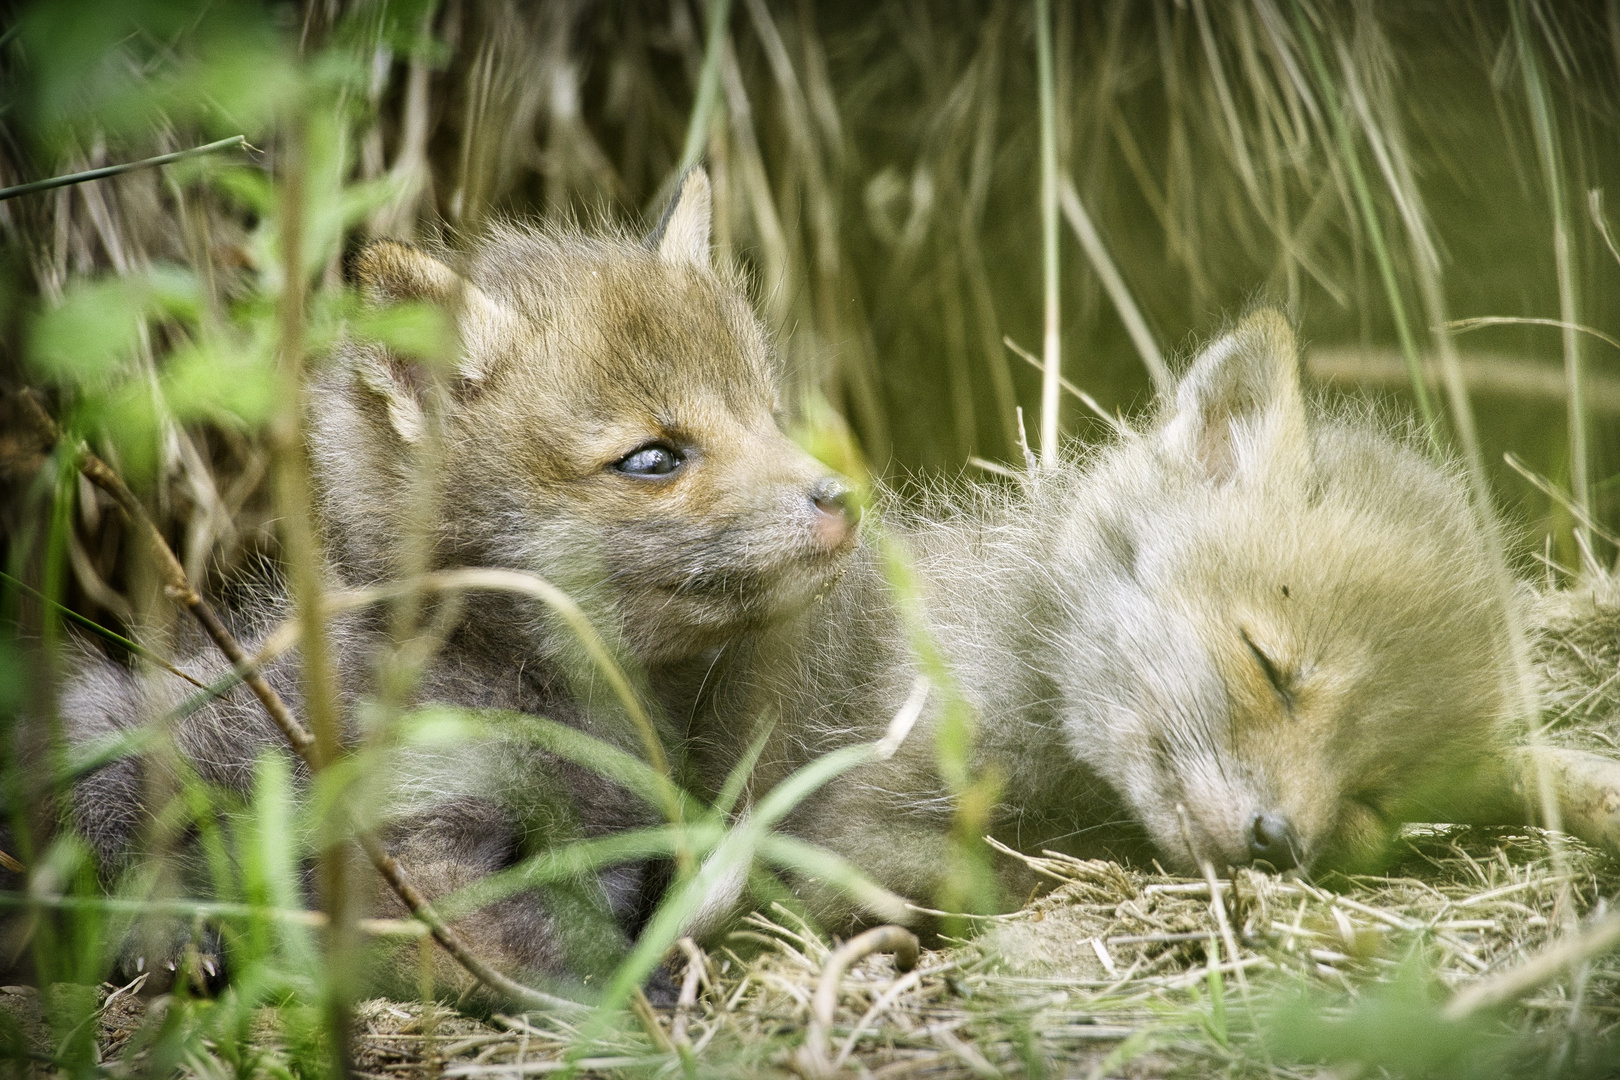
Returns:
<point x="175" y="292"/>
<point x="576" y="859"/>
<point x="603" y="758"/>
<point x="733" y="855"/>
<point x="217" y="382"/>
<point x="415" y="329"/>
<point x="95" y="329"/>
<point x="248" y="186"/>
<point x="791" y="853"/>
<point x="738" y="778"/>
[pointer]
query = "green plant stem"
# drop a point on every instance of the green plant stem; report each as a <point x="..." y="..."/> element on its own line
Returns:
<point x="1114" y="284"/>
<point x="708" y="92"/>
<point x="290" y="471"/>
<point x="1375" y="229"/>
<point x="1547" y="149"/>
<point x="177" y="587"/>
<point x="684" y="899"/>
<point x="1051" y="348"/>
<point x="114" y="170"/>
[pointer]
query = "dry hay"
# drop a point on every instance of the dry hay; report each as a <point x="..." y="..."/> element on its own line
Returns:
<point x="1577" y="653"/>
<point x="1108" y="974"/>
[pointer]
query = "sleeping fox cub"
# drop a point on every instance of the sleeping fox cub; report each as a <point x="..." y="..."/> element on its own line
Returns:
<point x="1256" y="631"/>
<point x="609" y="426"/>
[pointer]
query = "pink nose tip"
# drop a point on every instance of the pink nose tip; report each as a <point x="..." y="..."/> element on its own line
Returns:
<point x="836" y="513"/>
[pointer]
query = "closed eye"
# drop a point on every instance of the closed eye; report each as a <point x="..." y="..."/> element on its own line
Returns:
<point x="1282" y="682"/>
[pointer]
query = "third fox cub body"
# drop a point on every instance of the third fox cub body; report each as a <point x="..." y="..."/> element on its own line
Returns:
<point x="1256" y="631"/>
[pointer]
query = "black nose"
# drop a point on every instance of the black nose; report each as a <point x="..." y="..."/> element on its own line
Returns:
<point x="1272" y="840"/>
<point x="832" y="496"/>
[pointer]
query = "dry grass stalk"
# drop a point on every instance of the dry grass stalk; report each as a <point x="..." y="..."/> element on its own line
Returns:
<point x="813" y="1057"/>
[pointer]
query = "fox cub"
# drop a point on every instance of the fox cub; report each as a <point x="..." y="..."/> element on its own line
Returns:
<point x="1255" y="631"/>
<point x="609" y="425"/>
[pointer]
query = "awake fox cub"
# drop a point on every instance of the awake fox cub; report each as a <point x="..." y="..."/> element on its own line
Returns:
<point x="609" y="425"/>
<point x="1257" y="631"/>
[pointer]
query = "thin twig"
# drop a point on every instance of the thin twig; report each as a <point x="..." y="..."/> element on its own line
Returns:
<point x="1464" y="325"/>
<point x="1547" y="488"/>
<point x="176" y="586"/>
<point x="114" y="170"/>
<point x="1086" y="399"/>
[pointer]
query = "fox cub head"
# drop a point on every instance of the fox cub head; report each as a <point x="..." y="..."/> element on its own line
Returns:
<point x="609" y="424"/>
<point x="1296" y="617"/>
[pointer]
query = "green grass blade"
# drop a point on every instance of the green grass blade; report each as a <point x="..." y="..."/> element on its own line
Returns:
<point x="708" y="92"/>
<point x="737" y="779"/>
<point x="577" y="859"/>
<point x="791" y="853"/>
<point x="1346" y="145"/>
<point x="1051" y="352"/>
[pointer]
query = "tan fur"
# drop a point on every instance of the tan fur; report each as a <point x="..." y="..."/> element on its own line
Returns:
<point x="1255" y="612"/>
<point x="585" y="349"/>
<point x="576" y="352"/>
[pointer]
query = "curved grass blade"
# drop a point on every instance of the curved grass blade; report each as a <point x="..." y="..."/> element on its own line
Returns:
<point x="101" y="631"/>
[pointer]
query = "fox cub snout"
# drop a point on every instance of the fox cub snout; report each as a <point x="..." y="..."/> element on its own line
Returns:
<point x="611" y="423"/>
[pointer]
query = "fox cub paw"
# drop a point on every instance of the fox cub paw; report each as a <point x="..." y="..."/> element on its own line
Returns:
<point x="169" y="956"/>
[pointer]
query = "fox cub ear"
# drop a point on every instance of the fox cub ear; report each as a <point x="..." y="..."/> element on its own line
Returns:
<point x="682" y="235"/>
<point x="392" y="272"/>
<point x="1240" y="411"/>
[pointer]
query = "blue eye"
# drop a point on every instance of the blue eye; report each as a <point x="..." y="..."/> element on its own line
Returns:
<point x="654" y="459"/>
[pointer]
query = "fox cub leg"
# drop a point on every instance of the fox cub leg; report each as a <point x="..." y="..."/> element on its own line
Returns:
<point x="1508" y="790"/>
<point x="551" y="935"/>
<point x="1586" y="787"/>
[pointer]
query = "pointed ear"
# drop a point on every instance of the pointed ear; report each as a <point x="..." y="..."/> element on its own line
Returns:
<point x="391" y="272"/>
<point x="682" y="235"/>
<point x="1240" y="410"/>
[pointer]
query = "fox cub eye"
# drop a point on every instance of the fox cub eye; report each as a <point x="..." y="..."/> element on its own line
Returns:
<point x="1280" y="680"/>
<point x="654" y="459"/>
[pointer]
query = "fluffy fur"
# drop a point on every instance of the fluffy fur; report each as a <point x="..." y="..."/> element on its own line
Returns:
<point x="578" y="352"/>
<point x="1255" y="631"/>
